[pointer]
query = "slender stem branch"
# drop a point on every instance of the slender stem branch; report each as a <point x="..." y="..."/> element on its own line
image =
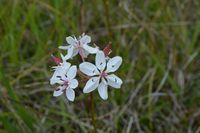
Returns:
<point x="91" y="100"/>
<point x="93" y="116"/>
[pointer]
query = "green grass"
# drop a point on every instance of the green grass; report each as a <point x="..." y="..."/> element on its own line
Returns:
<point x="159" y="43"/>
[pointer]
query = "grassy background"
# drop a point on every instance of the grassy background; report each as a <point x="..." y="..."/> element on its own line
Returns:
<point x="159" y="43"/>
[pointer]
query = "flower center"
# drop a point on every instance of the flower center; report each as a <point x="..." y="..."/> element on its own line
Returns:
<point x="103" y="74"/>
<point x="66" y="83"/>
<point x="80" y="50"/>
<point x="78" y="45"/>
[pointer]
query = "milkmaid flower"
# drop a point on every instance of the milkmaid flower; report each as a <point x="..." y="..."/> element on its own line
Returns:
<point x="67" y="83"/>
<point x="59" y="70"/>
<point x="79" y="46"/>
<point x="100" y="74"/>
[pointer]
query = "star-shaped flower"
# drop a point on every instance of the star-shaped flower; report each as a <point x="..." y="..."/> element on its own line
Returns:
<point x="67" y="84"/>
<point x="99" y="72"/>
<point x="79" y="46"/>
<point x="59" y="70"/>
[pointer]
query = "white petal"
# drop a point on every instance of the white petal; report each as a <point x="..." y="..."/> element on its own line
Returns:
<point x="59" y="72"/>
<point x="64" y="47"/>
<point x="70" y="94"/>
<point x="72" y="72"/>
<point x="75" y="52"/>
<point x="85" y="53"/>
<point x="58" y="92"/>
<point x="62" y="57"/>
<point x="70" y="51"/>
<point x="100" y="60"/>
<point x="73" y="83"/>
<point x="88" y="69"/>
<point x="90" y="50"/>
<point x="114" y="81"/>
<point x="104" y="81"/>
<point x="113" y="64"/>
<point x="54" y="79"/>
<point x="71" y="40"/>
<point x="91" y="84"/>
<point x="85" y="39"/>
<point x="103" y="90"/>
<point x="65" y="65"/>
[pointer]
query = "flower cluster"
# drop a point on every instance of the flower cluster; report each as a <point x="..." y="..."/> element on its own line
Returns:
<point x="100" y="75"/>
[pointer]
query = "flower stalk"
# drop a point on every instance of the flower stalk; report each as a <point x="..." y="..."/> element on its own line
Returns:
<point x="93" y="114"/>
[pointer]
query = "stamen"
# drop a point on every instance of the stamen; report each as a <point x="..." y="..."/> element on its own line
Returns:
<point x="57" y="89"/>
<point x="58" y="76"/>
<point x="66" y="83"/>
<point x="81" y="54"/>
<point x="103" y="74"/>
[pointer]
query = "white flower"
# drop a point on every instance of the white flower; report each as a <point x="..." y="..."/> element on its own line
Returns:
<point x="59" y="70"/>
<point x="67" y="84"/>
<point x="100" y="73"/>
<point x="78" y="46"/>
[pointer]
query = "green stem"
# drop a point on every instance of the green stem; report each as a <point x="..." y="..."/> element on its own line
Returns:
<point x="93" y="116"/>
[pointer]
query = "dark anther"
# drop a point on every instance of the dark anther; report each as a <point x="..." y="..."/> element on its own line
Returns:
<point x="115" y="80"/>
<point x="57" y="89"/>
<point x="113" y="65"/>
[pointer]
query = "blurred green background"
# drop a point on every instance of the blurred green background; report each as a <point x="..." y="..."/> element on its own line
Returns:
<point x="159" y="43"/>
